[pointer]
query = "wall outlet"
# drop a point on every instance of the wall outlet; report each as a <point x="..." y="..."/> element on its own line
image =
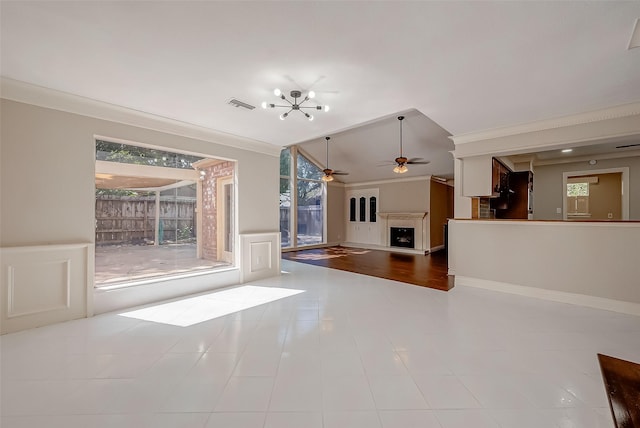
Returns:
<point x="558" y="210"/>
<point x="610" y="215"/>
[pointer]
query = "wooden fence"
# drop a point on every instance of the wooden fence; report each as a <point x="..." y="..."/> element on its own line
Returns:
<point x="131" y="220"/>
<point x="310" y="222"/>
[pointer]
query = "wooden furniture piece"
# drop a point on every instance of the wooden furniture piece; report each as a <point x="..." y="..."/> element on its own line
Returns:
<point x="622" y="383"/>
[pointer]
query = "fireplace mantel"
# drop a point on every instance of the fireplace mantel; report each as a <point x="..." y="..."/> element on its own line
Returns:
<point x="412" y="215"/>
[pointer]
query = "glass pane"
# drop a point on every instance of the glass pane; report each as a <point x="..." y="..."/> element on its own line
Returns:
<point x="285" y="162"/>
<point x="577" y="189"/>
<point x="156" y="232"/>
<point x="124" y="153"/>
<point x="363" y="208"/>
<point x="372" y="209"/>
<point x="306" y="169"/>
<point x="285" y="213"/>
<point x="310" y="212"/>
<point x="352" y="209"/>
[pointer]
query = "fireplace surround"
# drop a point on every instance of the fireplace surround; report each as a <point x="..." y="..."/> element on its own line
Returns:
<point x="418" y="221"/>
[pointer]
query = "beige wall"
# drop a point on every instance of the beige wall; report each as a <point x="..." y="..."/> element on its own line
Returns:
<point x="335" y="213"/>
<point x="441" y="209"/>
<point x="584" y="259"/>
<point x="48" y="157"/>
<point x="47" y="193"/>
<point x="605" y="197"/>
<point x="400" y="196"/>
<point x="549" y="192"/>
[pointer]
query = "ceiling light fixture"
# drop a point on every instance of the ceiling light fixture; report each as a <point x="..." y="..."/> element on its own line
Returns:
<point x="567" y="150"/>
<point x="295" y="104"/>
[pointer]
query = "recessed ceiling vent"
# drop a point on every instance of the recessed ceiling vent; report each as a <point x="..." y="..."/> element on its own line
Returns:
<point x="237" y="103"/>
<point x="628" y="145"/>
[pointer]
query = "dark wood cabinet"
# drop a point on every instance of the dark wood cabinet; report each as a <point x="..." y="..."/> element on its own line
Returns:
<point x="499" y="178"/>
<point x="516" y="203"/>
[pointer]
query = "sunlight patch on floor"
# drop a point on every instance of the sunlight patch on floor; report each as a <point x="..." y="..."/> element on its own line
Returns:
<point x="194" y="310"/>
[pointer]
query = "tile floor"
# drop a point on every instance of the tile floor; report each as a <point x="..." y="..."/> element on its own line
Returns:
<point x="323" y="348"/>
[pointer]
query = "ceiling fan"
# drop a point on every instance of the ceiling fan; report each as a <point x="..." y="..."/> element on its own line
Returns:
<point x="329" y="173"/>
<point x="401" y="161"/>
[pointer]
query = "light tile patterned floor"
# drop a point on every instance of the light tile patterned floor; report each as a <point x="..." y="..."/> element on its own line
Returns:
<point x="328" y="349"/>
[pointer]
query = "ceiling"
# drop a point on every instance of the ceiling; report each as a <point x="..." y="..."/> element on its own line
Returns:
<point x="450" y="67"/>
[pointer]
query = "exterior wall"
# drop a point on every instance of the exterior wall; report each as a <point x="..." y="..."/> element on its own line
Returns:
<point x="210" y="208"/>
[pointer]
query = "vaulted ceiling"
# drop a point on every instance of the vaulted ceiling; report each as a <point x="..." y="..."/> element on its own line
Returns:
<point x="450" y="67"/>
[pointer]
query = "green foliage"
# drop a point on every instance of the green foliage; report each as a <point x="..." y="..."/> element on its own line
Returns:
<point x="577" y="189"/>
<point x="124" y="153"/>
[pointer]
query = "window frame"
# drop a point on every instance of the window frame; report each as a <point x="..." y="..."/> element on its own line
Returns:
<point x="293" y="179"/>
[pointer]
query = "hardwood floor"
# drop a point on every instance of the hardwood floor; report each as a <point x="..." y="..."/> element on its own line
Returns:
<point x="425" y="271"/>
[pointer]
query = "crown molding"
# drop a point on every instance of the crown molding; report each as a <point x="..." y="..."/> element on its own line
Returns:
<point x="622" y="111"/>
<point x="28" y="93"/>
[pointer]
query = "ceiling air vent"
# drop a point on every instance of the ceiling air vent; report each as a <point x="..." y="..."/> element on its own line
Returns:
<point x="237" y="103"/>
<point x="627" y="146"/>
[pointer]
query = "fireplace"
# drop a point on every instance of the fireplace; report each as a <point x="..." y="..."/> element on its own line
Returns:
<point x="402" y="237"/>
<point x="411" y="233"/>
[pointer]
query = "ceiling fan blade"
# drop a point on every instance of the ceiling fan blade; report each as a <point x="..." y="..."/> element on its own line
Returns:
<point x="340" y="173"/>
<point x="418" y="161"/>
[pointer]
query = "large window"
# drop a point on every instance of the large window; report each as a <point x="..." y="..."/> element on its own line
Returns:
<point x="302" y="194"/>
<point x="160" y="213"/>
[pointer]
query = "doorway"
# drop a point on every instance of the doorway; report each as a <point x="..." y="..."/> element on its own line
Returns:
<point x="596" y="195"/>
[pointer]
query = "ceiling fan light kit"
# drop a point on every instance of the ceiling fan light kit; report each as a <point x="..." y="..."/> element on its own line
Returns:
<point x="401" y="161"/>
<point x="294" y="104"/>
<point x="328" y="172"/>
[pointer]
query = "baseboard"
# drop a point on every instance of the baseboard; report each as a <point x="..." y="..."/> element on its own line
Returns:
<point x="436" y="248"/>
<point x="552" y="295"/>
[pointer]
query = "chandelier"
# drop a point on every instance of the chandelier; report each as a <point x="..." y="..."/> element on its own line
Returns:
<point x="295" y="104"/>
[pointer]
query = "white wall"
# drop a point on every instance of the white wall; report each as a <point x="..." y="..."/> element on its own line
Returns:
<point x="47" y="175"/>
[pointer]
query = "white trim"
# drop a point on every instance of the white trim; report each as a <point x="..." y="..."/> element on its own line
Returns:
<point x="392" y="180"/>
<point x="625" y="187"/>
<point x="49" y="98"/>
<point x="552" y="295"/>
<point x="626" y="110"/>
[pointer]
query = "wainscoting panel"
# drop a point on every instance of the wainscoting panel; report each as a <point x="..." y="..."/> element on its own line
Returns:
<point x="260" y="255"/>
<point x="43" y="285"/>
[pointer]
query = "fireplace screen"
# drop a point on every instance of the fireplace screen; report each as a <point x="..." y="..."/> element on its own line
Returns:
<point x="402" y="237"/>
